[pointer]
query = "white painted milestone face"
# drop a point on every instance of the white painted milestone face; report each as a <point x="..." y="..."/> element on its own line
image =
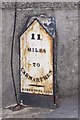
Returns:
<point x="36" y="58"/>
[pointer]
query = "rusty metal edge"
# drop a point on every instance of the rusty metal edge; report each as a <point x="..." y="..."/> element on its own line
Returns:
<point x="40" y="24"/>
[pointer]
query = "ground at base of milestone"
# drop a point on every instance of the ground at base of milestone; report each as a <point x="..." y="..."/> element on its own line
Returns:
<point x="68" y="109"/>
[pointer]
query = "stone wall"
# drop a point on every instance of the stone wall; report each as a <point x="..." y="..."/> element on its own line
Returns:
<point x="66" y="15"/>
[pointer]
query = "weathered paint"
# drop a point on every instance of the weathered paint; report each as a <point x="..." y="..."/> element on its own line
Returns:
<point x="36" y="60"/>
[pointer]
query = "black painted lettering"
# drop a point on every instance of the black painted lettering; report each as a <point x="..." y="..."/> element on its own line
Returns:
<point x="40" y="79"/>
<point x="48" y="75"/>
<point x="26" y="75"/>
<point x="38" y="37"/>
<point x="32" y="49"/>
<point x="36" y="50"/>
<point x="38" y="64"/>
<point x="34" y="79"/>
<point x="30" y="77"/>
<point x="40" y="50"/>
<point x="37" y="79"/>
<point x="34" y="64"/>
<point x="50" y="71"/>
<point x="22" y="69"/>
<point x="44" y="51"/>
<point x="24" y="72"/>
<point x="33" y="36"/>
<point x="45" y="77"/>
<point x="29" y="49"/>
